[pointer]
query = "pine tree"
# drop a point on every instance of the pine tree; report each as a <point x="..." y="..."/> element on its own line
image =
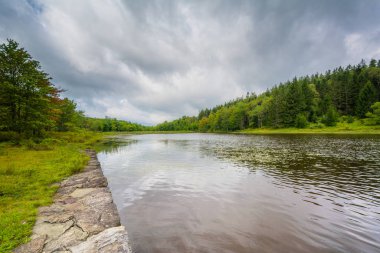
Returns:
<point x="367" y="97"/>
<point x="372" y="63"/>
<point x="295" y="103"/>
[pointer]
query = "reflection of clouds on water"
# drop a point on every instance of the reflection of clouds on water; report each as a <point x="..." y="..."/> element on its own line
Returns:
<point x="139" y="188"/>
<point x="189" y="177"/>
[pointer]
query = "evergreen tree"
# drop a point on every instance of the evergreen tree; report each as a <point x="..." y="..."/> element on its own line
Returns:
<point x="295" y="103"/>
<point x="372" y="63"/>
<point x="311" y="101"/>
<point x="374" y="76"/>
<point x="367" y="97"/>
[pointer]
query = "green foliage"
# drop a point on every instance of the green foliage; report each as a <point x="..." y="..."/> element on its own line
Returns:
<point x="184" y="123"/>
<point x="301" y="121"/>
<point x="9" y="136"/>
<point x="68" y="119"/>
<point x="374" y="115"/>
<point x="111" y="125"/>
<point x="350" y="119"/>
<point x="318" y="125"/>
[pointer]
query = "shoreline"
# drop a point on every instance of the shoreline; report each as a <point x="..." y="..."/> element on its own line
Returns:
<point x="82" y="219"/>
<point x="266" y="131"/>
<point x="330" y="131"/>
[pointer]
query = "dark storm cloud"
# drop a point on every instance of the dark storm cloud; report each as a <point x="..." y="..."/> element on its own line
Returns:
<point x="150" y="61"/>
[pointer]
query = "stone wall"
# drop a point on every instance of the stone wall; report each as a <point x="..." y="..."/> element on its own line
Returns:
<point x="82" y="219"/>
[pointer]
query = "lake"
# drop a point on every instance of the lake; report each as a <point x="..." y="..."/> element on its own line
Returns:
<point x="247" y="193"/>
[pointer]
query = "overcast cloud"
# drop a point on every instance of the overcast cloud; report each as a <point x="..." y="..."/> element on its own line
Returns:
<point x="150" y="61"/>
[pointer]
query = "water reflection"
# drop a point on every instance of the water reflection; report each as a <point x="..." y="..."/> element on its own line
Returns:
<point x="328" y="166"/>
<point x="114" y="144"/>
<point x="232" y="193"/>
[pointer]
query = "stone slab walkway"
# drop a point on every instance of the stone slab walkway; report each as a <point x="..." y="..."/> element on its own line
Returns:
<point x="82" y="219"/>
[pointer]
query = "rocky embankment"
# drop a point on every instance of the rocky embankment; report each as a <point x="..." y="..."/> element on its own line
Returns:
<point x="82" y="219"/>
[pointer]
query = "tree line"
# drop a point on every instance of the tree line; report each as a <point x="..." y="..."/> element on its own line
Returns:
<point x="344" y="94"/>
<point x="31" y="105"/>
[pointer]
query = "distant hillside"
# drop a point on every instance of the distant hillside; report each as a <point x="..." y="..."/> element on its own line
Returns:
<point x="321" y="100"/>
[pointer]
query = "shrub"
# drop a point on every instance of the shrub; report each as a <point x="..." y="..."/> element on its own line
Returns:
<point x="373" y="115"/>
<point x="317" y="126"/>
<point x="350" y="119"/>
<point x="32" y="145"/>
<point x="301" y="121"/>
<point x="9" y="136"/>
<point x="331" y="117"/>
<point x="28" y="144"/>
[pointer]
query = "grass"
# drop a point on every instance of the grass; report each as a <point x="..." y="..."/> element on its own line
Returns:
<point x="341" y="128"/>
<point x="28" y="173"/>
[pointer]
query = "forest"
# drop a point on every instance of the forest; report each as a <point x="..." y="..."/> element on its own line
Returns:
<point x="30" y="104"/>
<point x="321" y="100"/>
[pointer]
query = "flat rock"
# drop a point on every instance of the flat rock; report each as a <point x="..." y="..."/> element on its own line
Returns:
<point x="71" y="237"/>
<point x="52" y="230"/>
<point x="110" y="240"/>
<point x="34" y="246"/>
<point x="78" y="193"/>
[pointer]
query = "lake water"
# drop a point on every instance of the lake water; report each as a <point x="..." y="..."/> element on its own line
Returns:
<point x="247" y="193"/>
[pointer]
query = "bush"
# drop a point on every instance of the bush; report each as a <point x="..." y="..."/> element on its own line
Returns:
<point x="301" y="121"/>
<point x="350" y="119"/>
<point x="317" y="126"/>
<point x="52" y="142"/>
<point x="9" y="136"/>
<point x="32" y="145"/>
<point x="373" y="115"/>
<point x="28" y="144"/>
<point x="331" y="117"/>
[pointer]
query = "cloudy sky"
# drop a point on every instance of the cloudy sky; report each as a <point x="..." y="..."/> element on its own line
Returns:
<point x="150" y="61"/>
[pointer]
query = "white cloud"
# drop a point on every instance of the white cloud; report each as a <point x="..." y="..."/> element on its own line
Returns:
<point x="361" y="45"/>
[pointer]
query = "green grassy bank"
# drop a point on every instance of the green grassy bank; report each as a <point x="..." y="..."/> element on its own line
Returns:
<point x="340" y="128"/>
<point x="29" y="172"/>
